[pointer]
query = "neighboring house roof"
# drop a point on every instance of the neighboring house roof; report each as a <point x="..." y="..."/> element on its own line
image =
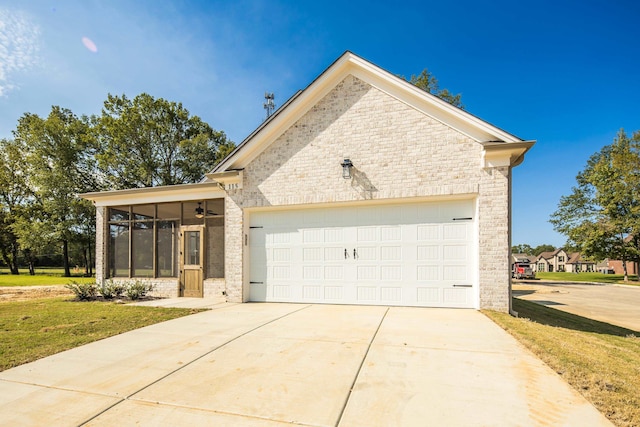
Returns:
<point x="576" y="257"/>
<point x="500" y="147"/>
<point x="523" y="257"/>
<point x="547" y="255"/>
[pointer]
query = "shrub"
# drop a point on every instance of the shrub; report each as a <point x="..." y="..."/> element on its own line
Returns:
<point x="83" y="291"/>
<point x="112" y="290"/>
<point x="138" y="289"/>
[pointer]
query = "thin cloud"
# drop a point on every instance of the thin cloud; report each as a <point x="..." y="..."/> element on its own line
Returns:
<point x="18" y="46"/>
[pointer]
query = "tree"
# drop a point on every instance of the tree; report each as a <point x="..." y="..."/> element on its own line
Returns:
<point x="602" y="214"/>
<point x="428" y="82"/>
<point x="60" y="167"/>
<point x="543" y="248"/>
<point x="522" y="249"/>
<point x="146" y="142"/>
<point x="14" y="192"/>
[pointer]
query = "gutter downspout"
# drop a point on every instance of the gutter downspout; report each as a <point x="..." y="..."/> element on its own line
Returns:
<point x="511" y="311"/>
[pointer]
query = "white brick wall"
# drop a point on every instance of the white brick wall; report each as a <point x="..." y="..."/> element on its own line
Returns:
<point x="102" y="235"/>
<point x="397" y="152"/>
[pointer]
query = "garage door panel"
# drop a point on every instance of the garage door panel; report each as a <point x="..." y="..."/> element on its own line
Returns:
<point x="333" y="235"/>
<point x="313" y="235"/>
<point x="391" y="234"/>
<point x="459" y="252"/>
<point x="428" y="253"/>
<point x="428" y="272"/>
<point x="312" y="272"/>
<point x="366" y="294"/>
<point x="455" y="296"/>
<point x="334" y="253"/>
<point x="429" y="232"/>
<point x="312" y="293"/>
<point x="391" y="295"/>
<point x="334" y="272"/>
<point x="428" y="295"/>
<point x="367" y="234"/>
<point x="367" y="272"/>
<point x="390" y="273"/>
<point x="367" y="253"/>
<point x="414" y="254"/>
<point x="390" y="253"/>
<point x="453" y="272"/>
<point x="455" y="232"/>
<point x="313" y="254"/>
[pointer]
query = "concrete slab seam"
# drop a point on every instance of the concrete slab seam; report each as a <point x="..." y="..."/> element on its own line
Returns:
<point x="355" y="378"/>
<point x="188" y="364"/>
<point x="214" y="411"/>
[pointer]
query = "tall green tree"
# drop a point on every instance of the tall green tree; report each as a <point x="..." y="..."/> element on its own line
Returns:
<point x="522" y="249"/>
<point x="602" y="214"/>
<point x="429" y="83"/>
<point x="58" y="153"/>
<point x="14" y="194"/>
<point x="543" y="248"/>
<point x="147" y="142"/>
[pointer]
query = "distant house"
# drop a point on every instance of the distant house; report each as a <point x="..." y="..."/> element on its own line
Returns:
<point x="552" y="261"/>
<point x="561" y="260"/>
<point x="614" y="266"/>
<point x="577" y="264"/>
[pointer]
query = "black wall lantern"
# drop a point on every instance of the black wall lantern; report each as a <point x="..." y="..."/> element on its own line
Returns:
<point x="199" y="211"/>
<point x="346" y="168"/>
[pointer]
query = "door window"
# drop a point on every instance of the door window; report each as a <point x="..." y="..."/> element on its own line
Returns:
<point x="192" y="247"/>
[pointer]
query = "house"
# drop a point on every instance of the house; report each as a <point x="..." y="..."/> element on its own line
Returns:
<point x="577" y="264"/>
<point x="561" y="261"/>
<point x="360" y="189"/>
<point x="615" y="266"/>
<point x="552" y="261"/>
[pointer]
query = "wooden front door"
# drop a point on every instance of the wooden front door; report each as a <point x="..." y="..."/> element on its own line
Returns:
<point x="191" y="261"/>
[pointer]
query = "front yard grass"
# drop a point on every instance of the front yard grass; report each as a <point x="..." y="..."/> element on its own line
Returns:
<point x="588" y="277"/>
<point x="601" y="361"/>
<point x="30" y="330"/>
<point x="43" y="277"/>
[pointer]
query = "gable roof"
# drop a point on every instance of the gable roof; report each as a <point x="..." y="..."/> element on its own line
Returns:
<point x="501" y="147"/>
<point x="576" y="258"/>
<point x="523" y="258"/>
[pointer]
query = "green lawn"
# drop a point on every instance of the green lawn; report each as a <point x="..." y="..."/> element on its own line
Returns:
<point x="43" y="276"/>
<point x="30" y="330"/>
<point x="587" y="277"/>
<point x="601" y="361"/>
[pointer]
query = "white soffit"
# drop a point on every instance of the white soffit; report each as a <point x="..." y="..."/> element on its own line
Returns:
<point x="347" y="64"/>
<point x="169" y="193"/>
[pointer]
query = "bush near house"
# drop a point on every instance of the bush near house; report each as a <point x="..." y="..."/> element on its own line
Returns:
<point x="89" y="291"/>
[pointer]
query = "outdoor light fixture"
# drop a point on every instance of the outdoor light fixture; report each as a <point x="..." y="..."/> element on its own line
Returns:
<point x="346" y="168"/>
<point x="199" y="211"/>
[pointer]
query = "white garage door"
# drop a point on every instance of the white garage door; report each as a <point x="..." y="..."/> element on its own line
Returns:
<point x="406" y="254"/>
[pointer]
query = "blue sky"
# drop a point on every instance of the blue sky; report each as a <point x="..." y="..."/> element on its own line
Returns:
<point x="564" y="73"/>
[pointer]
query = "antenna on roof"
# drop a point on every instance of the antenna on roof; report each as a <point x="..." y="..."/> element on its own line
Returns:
<point x="269" y="105"/>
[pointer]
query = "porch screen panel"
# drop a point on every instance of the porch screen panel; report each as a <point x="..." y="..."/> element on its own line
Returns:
<point x="142" y="249"/>
<point x="119" y="250"/>
<point x="166" y="249"/>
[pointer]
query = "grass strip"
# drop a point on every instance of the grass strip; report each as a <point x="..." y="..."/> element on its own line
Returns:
<point x="588" y="277"/>
<point x="30" y="330"/>
<point x="599" y="360"/>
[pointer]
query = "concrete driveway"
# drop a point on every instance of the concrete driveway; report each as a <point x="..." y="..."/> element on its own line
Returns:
<point x="615" y="304"/>
<point x="312" y="365"/>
